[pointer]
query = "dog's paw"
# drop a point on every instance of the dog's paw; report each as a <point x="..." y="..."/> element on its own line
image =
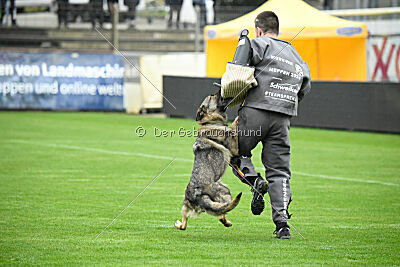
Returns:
<point x="178" y="225"/>
<point x="225" y="222"/>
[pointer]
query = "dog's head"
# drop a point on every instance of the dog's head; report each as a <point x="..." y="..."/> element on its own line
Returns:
<point x="212" y="110"/>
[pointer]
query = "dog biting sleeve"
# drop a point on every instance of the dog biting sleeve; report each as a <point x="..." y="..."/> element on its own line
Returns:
<point x="236" y="82"/>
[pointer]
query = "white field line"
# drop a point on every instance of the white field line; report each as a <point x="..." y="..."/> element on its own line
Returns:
<point x="98" y="150"/>
<point x="52" y="171"/>
<point x="346" y="179"/>
<point x="340" y="178"/>
<point x="181" y="175"/>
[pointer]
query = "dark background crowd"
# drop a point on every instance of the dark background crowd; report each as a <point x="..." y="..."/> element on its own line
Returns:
<point x="97" y="12"/>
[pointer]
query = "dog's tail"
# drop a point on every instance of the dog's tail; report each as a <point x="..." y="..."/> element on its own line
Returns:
<point x="233" y="203"/>
<point x="216" y="208"/>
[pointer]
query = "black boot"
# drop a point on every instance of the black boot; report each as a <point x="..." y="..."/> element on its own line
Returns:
<point x="244" y="169"/>
<point x="259" y="189"/>
<point x="282" y="231"/>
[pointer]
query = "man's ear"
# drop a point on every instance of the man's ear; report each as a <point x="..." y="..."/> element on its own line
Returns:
<point x="259" y="32"/>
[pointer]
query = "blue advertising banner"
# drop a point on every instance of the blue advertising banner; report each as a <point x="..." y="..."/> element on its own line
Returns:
<point x="67" y="81"/>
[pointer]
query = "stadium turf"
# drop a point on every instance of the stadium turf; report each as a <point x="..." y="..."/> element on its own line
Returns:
<point x="65" y="176"/>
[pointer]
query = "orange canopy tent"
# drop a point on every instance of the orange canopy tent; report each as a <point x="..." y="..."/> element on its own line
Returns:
<point x="334" y="48"/>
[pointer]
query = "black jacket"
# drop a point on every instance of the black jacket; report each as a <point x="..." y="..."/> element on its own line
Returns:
<point x="283" y="77"/>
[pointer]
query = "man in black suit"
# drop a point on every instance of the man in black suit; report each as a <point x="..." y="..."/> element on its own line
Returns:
<point x="174" y="7"/>
<point x="132" y="4"/>
<point x="11" y="11"/>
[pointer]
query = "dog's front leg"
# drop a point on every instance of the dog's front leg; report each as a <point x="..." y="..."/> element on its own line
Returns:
<point x="182" y="225"/>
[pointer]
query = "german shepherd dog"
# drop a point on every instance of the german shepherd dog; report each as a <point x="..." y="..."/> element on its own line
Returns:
<point x="216" y="143"/>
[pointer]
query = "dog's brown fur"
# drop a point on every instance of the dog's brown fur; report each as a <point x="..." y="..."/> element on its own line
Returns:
<point x="215" y="145"/>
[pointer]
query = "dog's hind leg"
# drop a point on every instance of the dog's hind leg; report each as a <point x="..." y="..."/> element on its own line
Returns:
<point x="182" y="225"/>
<point x="224" y="221"/>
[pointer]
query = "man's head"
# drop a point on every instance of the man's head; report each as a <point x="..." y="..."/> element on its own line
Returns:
<point x="267" y="24"/>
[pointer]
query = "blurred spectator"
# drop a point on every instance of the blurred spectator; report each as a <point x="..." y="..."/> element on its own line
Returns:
<point x="202" y="5"/>
<point x="11" y="11"/>
<point x="110" y="4"/>
<point x="132" y="4"/>
<point x="96" y="12"/>
<point x="215" y="14"/>
<point x="328" y="4"/>
<point x="188" y="14"/>
<point x="210" y="11"/>
<point x="62" y="12"/>
<point x="372" y="3"/>
<point x="174" y="7"/>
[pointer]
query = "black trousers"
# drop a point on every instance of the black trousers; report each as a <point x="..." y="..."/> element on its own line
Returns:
<point x="96" y="12"/>
<point x="10" y="11"/>
<point x="174" y="9"/>
<point x="62" y="12"/>
<point x="272" y="130"/>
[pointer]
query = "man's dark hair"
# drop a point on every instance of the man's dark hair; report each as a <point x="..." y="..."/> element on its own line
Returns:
<point x="267" y="21"/>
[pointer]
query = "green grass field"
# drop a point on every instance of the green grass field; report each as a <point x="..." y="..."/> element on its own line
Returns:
<point x="64" y="176"/>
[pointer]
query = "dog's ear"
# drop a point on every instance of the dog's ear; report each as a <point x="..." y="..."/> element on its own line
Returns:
<point x="219" y="97"/>
<point x="201" y="112"/>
